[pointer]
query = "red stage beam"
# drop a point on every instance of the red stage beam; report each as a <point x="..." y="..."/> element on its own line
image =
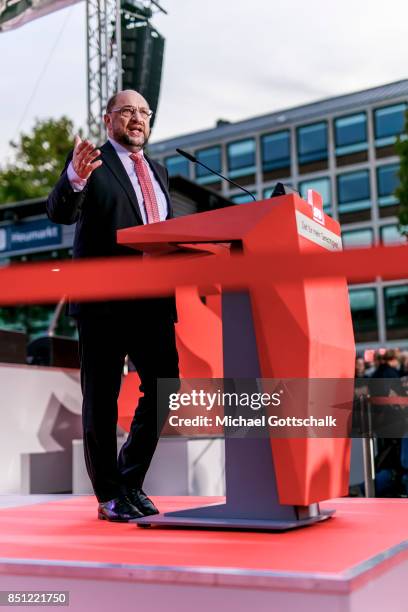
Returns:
<point x="101" y="279"/>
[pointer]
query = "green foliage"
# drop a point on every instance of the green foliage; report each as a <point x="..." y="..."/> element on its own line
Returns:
<point x="402" y="190"/>
<point x="39" y="159"/>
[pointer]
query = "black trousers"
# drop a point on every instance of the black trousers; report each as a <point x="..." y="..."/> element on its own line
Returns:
<point x="145" y="332"/>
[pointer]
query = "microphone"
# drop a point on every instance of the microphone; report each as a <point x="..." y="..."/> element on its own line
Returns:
<point x="193" y="159"/>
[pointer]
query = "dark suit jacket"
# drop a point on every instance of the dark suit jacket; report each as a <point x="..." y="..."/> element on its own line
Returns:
<point x="107" y="203"/>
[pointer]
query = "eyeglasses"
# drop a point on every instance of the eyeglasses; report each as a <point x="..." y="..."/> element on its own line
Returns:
<point x="130" y="111"/>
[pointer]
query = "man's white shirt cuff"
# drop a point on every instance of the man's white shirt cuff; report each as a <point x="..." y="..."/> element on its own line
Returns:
<point x="76" y="182"/>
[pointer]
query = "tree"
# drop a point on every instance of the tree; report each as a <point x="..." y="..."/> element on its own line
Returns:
<point x="39" y="159"/>
<point x="402" y="190"/>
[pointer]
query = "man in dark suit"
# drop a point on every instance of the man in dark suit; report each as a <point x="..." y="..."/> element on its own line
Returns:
<point x="103" y="191"/>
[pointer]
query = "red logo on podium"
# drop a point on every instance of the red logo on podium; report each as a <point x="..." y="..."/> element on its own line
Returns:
<point x="316" y="202"/>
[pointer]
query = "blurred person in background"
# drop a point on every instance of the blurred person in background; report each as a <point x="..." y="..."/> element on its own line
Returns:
<point x="373" y="363"/>
<point x="389" y="425"/>
<point x="404" y="363"/>
<point x="388" y="366"/>
<point x="360" y="368"/>
<point x="360" y="378"/>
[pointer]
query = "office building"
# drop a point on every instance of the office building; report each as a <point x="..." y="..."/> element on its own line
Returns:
<point x="343" y="147"/>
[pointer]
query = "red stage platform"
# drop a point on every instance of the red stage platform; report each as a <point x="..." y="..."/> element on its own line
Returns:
<point x="357" y="560"/>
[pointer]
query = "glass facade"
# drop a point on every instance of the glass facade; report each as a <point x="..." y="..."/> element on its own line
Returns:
<point x="396" y="311"/>
<point x="275" y="151"/>
<point x="390" y="234"/>
<point x="242" y="198"/>
<point x="353" y="190"/>
<point x="177" y="166"/>
<point x="312" y="143"/>
<point x="389" y="123"/>
<point x="210" y="157"/>
<point x="357" y="238"/>
<point x="350" y="134"/>
<point x="267" y="192"/>
<point x="241" y="158"/>
<point x="387" y="183"/>
<point x="363" y="304"/>
<point x="322" y="186"/>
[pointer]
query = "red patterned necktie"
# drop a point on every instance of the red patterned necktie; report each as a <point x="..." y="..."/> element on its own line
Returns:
<point x="146" y="185"/>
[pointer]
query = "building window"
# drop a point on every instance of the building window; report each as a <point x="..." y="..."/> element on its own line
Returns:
<point x="388" y="124"/>
<point x="177" y="166"/>
<point x="351" y="134"/>
<point x="242" y="198"/>
<point x="322" y="186"/>
<point x="275" y="151"/>
<point x="353" y="191"/>
<point x="241" y="158"/>
<point x="390" y="234"/>
<point x="387" y="183"/>
<point x="312" y="142"/>
<point x="363" y="304"/>
<point x="210" y="157"/>
<point x="357" y="238"/>
<point x="268" y="192"/>
<point x="396" y="308"/>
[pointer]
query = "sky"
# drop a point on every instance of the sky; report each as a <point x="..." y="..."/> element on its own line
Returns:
<point x="228" y="59"/>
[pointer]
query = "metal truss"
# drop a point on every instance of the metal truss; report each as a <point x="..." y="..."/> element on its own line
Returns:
<point x="104" y="54"/>
<point x="103" y="61"/>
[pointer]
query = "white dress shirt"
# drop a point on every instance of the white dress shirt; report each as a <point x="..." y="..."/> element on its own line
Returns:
<point x="78" y="184"/>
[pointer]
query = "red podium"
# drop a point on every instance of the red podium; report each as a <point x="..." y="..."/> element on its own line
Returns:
<point x="302" y="329"/>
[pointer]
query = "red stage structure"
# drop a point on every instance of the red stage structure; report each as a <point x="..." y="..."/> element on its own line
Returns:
<point x="359" y="561"/>
<point x="263" y="329"/>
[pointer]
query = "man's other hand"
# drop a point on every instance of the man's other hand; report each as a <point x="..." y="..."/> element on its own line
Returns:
<point x="84" y="159"/>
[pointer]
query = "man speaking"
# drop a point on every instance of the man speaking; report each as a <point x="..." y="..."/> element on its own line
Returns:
<point x="103" y="190"/>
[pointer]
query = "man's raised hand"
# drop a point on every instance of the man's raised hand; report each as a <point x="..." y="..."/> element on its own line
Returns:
<point x="84" y="159"/>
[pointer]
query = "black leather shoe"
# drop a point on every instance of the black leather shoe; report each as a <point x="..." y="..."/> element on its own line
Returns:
<point x="139" y="499"/>
<point x="118" y="510"/>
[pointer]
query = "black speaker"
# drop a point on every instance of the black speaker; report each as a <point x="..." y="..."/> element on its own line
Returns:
<point x="142" y="60"/>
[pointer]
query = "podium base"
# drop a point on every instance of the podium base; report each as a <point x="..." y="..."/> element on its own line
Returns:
<point x="221" y="516"/>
